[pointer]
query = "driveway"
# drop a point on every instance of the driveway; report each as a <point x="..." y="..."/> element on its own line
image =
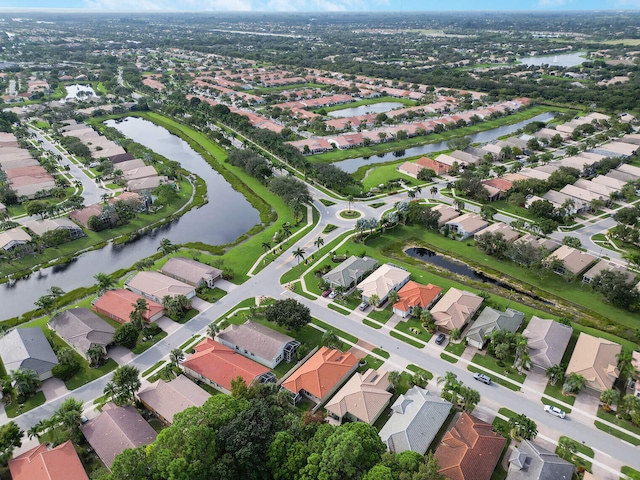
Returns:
<point x="121" y="355"/>
<point x="53" y="387"/>
<point x="168" y="325"/>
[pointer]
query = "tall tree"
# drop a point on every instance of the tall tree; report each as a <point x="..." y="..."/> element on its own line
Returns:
<point x="288" y="313"/>
<point x="104" y="282"/>
<point x="523" y="427"/>
<point x="125" y="383"/>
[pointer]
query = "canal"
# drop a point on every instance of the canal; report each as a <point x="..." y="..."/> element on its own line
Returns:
<point x="227" y="216"/>
<point x="352" y="164"/>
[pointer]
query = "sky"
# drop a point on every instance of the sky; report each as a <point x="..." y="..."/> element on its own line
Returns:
<point x="322" y="5"/>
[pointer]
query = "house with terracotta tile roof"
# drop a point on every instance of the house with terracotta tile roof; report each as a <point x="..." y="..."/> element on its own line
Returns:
<point x="44" y="463"/>
<point x="321" y="375"/>
<point x="416" y="418"/>
<point x="382" y="281"/>
<point x="470" y="450"/>
<point x="115" y="430"/>
<point x="82" y="329"/>
<point x="118" y="305"/>
<point x="414" y="295"/>
<point x="259" y="343"/>
<point x="165" y="399"/>
<point x="155" y="286"/>
<point x="217" y="365"/>
<point x="455" y="309"/>
<point x="596" y="360"/>
<point x="191" y="272"/>
<point x="362" y="399"/>
<point x="547" y="341"/>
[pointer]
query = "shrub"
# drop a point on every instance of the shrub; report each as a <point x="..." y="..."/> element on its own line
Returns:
<point x="65" y="372"/>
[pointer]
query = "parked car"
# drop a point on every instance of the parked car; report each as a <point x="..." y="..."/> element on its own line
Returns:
<point x="481" y="377"/>
<point x="333" y="294"/>
<point x="326" y="293"/>
<point x="363" y="306"/>
<point x="440" y="338"/>
<point x="555" y="411"/>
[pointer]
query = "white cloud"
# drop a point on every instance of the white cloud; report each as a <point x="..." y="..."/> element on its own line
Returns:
<point x="552" y="3"/>
<point x="169" y="5"/>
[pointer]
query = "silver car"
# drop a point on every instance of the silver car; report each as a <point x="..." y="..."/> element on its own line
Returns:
<point x="555" y="411"/>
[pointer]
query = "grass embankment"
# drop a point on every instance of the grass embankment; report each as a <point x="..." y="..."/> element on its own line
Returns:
<point x="273" y="210"/>
<point x="337" y="154"/>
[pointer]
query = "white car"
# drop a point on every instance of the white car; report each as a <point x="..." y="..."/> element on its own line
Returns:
<point x="551" y="410"/>
<point x="333" y="294"/>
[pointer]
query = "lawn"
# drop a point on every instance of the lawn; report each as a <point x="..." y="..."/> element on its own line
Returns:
<point x="377" y="176"/>
<point x="142" y="346"/>
<point x="339" y="309"/>
<point x="153" y="368"/>
<point x="371" y="323"/>
<point x="491" y="363"/>
<point x="630" y="472"/>
<point x="555" y="391"/>
<point x="625" y="424"/>
<point x="399" y="336"/>
<point x="456" y="348"/>
<point x="329" y="228"/>
<point x="191" y="341"/>
<point x="327" y="203"/>
<point x="416" y="369"/>
<point x="381" y="316"/>
<point x="581" y="448"/>
<point x="14" y="409"/>
<point x="413" y="327"/>
<point x="211" y="295"/>
<point x="370" y="362"/>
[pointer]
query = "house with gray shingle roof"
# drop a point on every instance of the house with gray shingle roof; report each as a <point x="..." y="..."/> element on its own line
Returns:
<point x="82" y="329"/>
<point x="260" y="343"/>
<point x="491" y="320"/>
<point x="27" y="349"/>
<point x="417" y="417"/>
<point x="547" y="340"/>
<point x="532" y="462"/>
<point x="350" y="272"/>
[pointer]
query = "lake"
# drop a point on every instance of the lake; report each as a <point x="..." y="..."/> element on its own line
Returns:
<point x="352" y="164"/>
<point x="227" y="216"/>
<point x="381" y="107"/>
<point x="564" y="60"/>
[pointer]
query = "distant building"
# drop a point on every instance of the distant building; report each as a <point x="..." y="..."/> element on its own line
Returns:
<point x="547" y="340"/>
<point x="119" y="304"/>
<point x="596" y="360"/>
<point x="155" y="286"/>
<point x="381" y="282"/>
<point x="413" y="295"/>
<point x="455" y="309"/>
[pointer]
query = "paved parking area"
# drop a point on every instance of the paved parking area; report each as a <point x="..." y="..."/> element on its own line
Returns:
<point x="53" y="387"/>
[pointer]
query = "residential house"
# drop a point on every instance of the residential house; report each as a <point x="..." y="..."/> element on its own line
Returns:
<point x="529" y="461"/>
<point x="12" y="238"/>
<point x="571" y="259"/>
<point x="447" y="213"/>
<point x="362" y="399"/>
<point x="414" y="295"/>
<point x="155" y="286"/>
<point x="596" y="360"/>
<point x="191" y="272"/>
<point x="635" y="362"/>
<point x="439" y="168"/>
<point x="27" y="349"/>
<point x="539" y="242"/>
<point x="119" y="304"/>
<point x="165" y="399"/>
<point x="51" y="224"/>
<point x="491" y="320"/>
<point x="381" y="282"/>
<point x="145" y="171"/>
<point x="508" y="233"/>
<point x="416" y="418"/>
<point x="217" y="365"/>
<point x="115" y="430"/>
<point x="547" y="340"/>
<point x="44" y="463"/>
<point x="259" y="342"/>
<point x="411" y="169"/>
<point x="445" y="162"/>
<point x="82" y="329"/>
<point x="470" y="450"/>
<point x="83" y="215"/>
<point x="466" y="225"/>
<point x="455" y="309"/>
<point x="465" y="157"/>
<point x="147" y="183"/>
<point x="500" y="187"/>
<point x="604" y="265"/>
<point x="321" y="375"/>
<point x="350" y="272"/>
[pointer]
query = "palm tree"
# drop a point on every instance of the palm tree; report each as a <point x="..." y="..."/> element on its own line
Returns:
<point x="412" y="194"/>
<point x="625" y="366"/>
<point x="567" y="448"/>
<point x="522" y="349"/>
<point x="96" y="355"/>
<point x="318" y="242"/>
<point x="176" y="356"/>
<point x="37" y="429"/>
<point x="140" y="307"/>
<point x="374" y="300"/>
<point x="166" y="247"/>
<point x="573" y="384"/>
<point x="286" y="229"/>
<point x="26" y="382"/>
<point x="555" y="373"/>
<point x="299" y="254"/>
<point x="266" y="246"/>
<point x="105" y="282"/>
<point x="46" y="303"/>
<point x="144" y="264"/>
<point x="394" y="378"/>
<point x="469" y="397"/>
<point x="330" y="340"/>
<point x="434" y="191"/>
<point x="212" y="330"/>
<point x="609" y="397"/>
<point x="455" y="334"/>
<point x="459" y="204"/>
<point x="350" y="201"/>
<point x="522" y="427"/>
<point x="393" y="297"/>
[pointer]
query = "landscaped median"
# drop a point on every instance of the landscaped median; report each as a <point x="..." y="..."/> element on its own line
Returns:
<point x="623" y="424"/>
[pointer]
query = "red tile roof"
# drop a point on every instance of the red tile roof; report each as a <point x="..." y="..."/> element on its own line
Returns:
<point x="415" y="295"/>
<point x="470" y="450"/>
<point x="39" y="463"/>
<point x="321" y="372"/>
<point x="118" y="304"/>
<point x="221" y="364"/>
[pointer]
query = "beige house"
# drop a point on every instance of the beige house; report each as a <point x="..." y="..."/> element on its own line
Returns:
<point x="466" y="225"/>
<point x="455" y="309"/>
<point x="191" y="272"/>
<point x="382" y="281"/>
<point x="508" y="233"/>
<point x="596" y="360"/>
<point x="447" y="212"/>
<point x="603" y="265"/>
<point x="165" y="399"/>
<point x="40" y="227"/>
<point x="362" y="398"/>
<point x="155" y="286"/>
<point x="573" y="260"/>
<point x="9" y="239"/>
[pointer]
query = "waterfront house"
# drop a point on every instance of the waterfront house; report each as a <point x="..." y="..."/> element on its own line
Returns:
<point x="191" y="272"/>
<point x="155" y="286"/>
